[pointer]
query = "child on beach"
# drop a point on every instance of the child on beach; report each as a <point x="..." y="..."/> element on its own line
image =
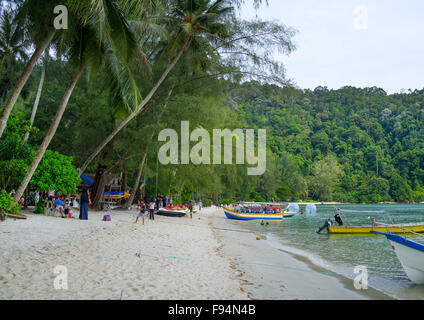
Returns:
<point x="71" y="205"/>
<point x="66" y="208"/>
<point x="190" y="206"/>
<point x="141" y="212"/>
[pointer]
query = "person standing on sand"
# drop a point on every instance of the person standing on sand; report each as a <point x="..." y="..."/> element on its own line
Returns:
<point x="190" y="206"/>
<point x="151" y="210"/>
<point x="84" y="205"/>
<point x="141" y="213"/>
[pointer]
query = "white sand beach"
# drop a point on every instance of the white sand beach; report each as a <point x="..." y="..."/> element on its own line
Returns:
<point x="168" y="258"/>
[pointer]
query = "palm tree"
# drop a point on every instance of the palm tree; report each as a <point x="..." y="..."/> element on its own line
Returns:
<point x="87" y="44"/>
<point x="38" y="95"/>
<point x="37" y="18"/>
<point x="141" y="166"/>
<point x="12" y="41"/>
<point x="202" y="19"/>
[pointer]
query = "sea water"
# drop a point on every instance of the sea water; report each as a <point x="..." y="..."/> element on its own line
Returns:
<point x="343" y="252"/>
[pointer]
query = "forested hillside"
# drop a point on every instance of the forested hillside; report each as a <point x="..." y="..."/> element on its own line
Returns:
<point x="95" y="97"/>
<point x="374" y="141"/>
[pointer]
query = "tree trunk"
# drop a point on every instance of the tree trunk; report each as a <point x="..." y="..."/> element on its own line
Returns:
<point x="124" y="185"/>
<point x="140" y="170"/>
<point x="37" y="97"/>
<point x="99" y="187"/>
<point x="139" y="109"/>
<point x="137" y="181"/>
<point x="50" y="134"/>
<point x="22" y="81"/>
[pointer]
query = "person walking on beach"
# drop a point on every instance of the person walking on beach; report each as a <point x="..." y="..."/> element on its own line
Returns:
<point x="190" y="206"/>
<point x="84" y="205"/>
<point x="141" y="213"/>
<point x="36" y="198"/>
<point x="151" y="210"/>
<point x="158" y="201"/>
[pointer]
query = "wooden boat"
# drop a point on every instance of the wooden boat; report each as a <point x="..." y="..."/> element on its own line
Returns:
<point x="239" y="214"/>
<point x="409" y="253"/>
<point x="393" y="228"/>
<point x="375" y="226"/>
<point x="172" y="212"/>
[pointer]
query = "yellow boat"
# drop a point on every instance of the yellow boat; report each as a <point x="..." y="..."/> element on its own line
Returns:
<point x="394" y="228"/>
<point x="241" y="215"/>
<point x="375" y="226"/>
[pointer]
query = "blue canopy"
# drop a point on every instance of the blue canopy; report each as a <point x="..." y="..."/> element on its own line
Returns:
<point x="87" y="180"/>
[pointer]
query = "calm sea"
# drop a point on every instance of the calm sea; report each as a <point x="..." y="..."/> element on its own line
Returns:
<point x="342" y="253"/>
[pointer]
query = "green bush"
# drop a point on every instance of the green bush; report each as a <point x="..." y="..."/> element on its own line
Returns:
<point x="39" y="208"/>
<point x="7" y="205"/>
<point x="227" y="201"/>
<point x="207" y="202"/>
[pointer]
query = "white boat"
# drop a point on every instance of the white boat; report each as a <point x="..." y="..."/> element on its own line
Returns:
<point x="410" y="255"/>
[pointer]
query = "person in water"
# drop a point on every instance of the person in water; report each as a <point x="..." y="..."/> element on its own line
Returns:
<point x="338" y="219"/>
<point x="262" y="223"/>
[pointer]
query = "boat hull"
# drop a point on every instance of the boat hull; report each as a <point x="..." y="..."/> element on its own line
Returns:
<point x="397" y="229"/>
<point x="171" y="213"/>
<point x="410" y="255"/>
<point x="230" y="214"/>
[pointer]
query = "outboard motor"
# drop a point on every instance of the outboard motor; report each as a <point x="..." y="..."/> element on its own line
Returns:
<point x="327" y="224"/>
<point x="338" y="219"/>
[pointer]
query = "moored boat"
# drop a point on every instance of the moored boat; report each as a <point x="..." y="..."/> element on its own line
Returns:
<point x="275" y="212"/>
<point x="171" y="212"/>
<point x="409" y="253"/>
<point x="344" y="227"/>
<point x="393" y="228"/>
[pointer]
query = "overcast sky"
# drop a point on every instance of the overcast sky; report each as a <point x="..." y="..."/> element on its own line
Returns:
<point x="346" y="42"/>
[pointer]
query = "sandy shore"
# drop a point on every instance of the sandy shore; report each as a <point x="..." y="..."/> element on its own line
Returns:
<point x="168" y="258"/>
<point x="165" y="259"/>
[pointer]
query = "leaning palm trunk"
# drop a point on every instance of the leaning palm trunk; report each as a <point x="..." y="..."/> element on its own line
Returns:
<point x="37" y="98"/>
<point x="50" y="134"/>
<point x="139" y="109"/>
<point x="137" y="181"/>
<point x="22" y="81"/>
<point x="140" y="169"/>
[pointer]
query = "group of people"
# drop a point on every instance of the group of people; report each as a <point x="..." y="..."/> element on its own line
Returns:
<point x="155" y="204"/>
<point x="143" y="208"/>
<point x="66" y="205"/>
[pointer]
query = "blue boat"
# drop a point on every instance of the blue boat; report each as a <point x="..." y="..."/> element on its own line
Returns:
<point x="410" y="254"/>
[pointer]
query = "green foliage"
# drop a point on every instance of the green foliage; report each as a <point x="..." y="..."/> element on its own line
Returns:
<point x="7" y="204"/>
<point x="39" y="208"/>
<point x="228" y="201"/>
<point x="55" y="172"/>
<point x="207" y="202"/>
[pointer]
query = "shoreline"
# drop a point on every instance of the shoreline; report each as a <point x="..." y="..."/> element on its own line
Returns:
<point x="205" y="258"/>
<point x="275" y="274"/>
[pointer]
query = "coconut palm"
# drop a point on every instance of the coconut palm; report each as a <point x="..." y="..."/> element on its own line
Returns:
<point x="36" y="17"/>
<point x="38" y="95"/>
<point x="191" y="20"/>
<point x="88" y="46"/>
<point x="12" y="40"/>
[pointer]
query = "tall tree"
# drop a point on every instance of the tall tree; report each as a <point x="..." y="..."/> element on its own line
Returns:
<point x="194" y="18"/>
<point x="87" y="46"/>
